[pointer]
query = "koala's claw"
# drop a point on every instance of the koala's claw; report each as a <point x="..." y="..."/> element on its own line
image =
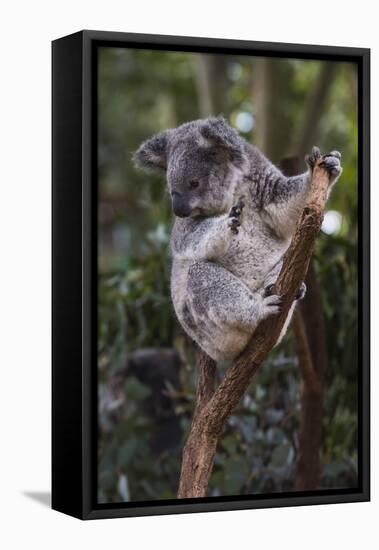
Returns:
<point x="235" y="216"/>
<point x="299" y="296"/>
<point x="268" y="290"/>
<point x="234" y="224"/>
<point x="236" y="210"/>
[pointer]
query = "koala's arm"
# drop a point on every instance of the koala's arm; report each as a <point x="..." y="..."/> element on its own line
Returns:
<point x="280" y="198"/>
<point x="207" y="239"/>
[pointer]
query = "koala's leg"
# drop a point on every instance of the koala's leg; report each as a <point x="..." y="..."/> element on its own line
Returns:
<point x="219" y="312"/>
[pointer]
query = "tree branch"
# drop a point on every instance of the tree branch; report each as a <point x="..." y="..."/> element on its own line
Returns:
<point x="211" y="416"/>
<point x="206" y="368"/>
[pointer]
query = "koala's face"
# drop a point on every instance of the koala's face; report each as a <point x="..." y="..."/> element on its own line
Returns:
<point x="199" y="158"/>
<point x="196" y="178"/>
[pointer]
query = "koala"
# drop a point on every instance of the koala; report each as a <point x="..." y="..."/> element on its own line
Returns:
<point x="235" y="214"/>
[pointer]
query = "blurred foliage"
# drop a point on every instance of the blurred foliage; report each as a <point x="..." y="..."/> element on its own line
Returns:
<point x="146" y="364"/>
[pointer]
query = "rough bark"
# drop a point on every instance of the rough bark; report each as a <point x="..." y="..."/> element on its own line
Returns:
<point x="206" y="368"/>
<point x="210" y="418"/>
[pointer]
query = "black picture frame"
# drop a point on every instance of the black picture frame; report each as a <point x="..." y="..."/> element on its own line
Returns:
<point x="74" y="295"/>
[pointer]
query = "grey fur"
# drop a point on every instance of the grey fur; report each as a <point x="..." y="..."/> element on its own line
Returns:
<point x="235" y="216"/>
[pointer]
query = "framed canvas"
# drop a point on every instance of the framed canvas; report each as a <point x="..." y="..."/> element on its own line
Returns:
<point x="210" y="287"/>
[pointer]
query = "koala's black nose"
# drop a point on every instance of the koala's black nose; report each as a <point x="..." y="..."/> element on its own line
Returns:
<point x="180" y="206"/>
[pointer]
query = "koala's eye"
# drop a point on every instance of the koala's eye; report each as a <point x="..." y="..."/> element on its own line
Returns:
<point x="194" y="184"/>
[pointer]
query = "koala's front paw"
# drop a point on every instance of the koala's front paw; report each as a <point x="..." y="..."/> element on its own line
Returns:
<point x="271" y="305"/>
<point x="331" y="162"/>
<point x="235" y="216"/>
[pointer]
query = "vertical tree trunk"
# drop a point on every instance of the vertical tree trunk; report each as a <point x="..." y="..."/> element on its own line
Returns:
<point x="313" y="108"/>
<point x="270" y="93"/>
<point x="311" y="400"/>
<point x="211" y="81"/>
<point x="263" y="100"/>
<point x="200" y="448"/>
<point x="312" y="395"/>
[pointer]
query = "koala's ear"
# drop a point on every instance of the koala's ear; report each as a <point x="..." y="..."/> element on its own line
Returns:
<point x="217" y="133"/>
<point x="153" y="152"/>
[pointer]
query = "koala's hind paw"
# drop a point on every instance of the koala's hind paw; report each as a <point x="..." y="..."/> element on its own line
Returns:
<point x="301" y="292"/>
<point x="299" y="296"/>
<point x="235" y="215"/>
<point x="332" y="163"/>
<point x="271" y="305"/>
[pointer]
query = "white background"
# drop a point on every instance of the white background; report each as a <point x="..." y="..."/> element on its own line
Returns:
<point x="26" y="31"/>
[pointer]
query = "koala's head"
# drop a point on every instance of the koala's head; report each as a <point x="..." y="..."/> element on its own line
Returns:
<point x="200" y="159"/>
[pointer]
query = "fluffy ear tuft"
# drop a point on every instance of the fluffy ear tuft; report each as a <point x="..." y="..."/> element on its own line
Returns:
<point x="153" y="152"/>
<point x="217" y="132"/>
